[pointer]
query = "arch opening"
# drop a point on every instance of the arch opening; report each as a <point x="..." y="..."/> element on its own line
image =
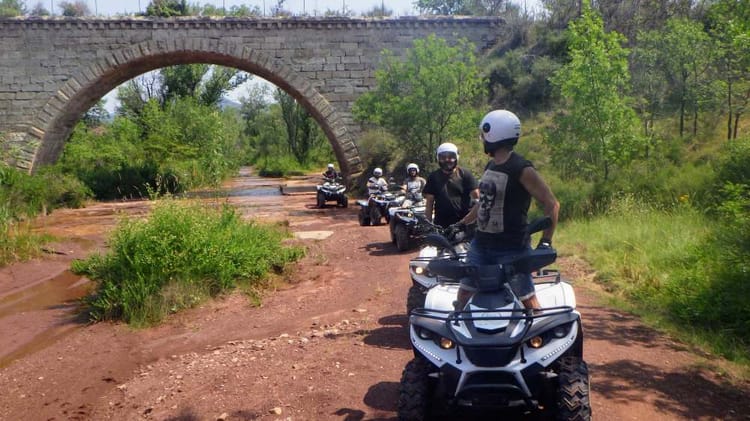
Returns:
<point x="56" y="120"/>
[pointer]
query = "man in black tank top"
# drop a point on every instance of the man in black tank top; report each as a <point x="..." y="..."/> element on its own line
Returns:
<point x="505" y="191"/>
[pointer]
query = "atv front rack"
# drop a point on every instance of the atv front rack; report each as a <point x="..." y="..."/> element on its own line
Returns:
<point x="512" y="314"/>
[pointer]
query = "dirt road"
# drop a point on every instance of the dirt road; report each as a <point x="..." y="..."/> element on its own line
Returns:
<point x="330" y="346"/>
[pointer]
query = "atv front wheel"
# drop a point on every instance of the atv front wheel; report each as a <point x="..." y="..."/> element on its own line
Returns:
<point x="415" y="298"/>
<point x="364" y="217"/>
<point x="321" y="199"/>
<point x="415" y="391"/>
<point x="375" y="215"/>
<point x="573" y="401"/>
<point x="402" y="237"/>
<point x="344" y="202"/>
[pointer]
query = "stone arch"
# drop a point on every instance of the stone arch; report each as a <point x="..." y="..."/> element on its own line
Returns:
<point x="55" y="121"/>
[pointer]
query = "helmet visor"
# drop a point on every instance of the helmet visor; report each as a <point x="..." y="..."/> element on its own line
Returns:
<point x="447" y="156"/>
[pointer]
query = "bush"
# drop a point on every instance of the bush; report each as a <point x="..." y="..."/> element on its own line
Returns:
<point x="176" y="258"/>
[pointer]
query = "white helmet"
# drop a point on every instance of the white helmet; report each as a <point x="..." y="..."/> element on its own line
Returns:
<point x="445" y="164"/>
<point x="499" y="127"/>
<point x="412" y="166"/>
<point x="447" y="147"/>
<point x="330" y="166"/>
<point x="377" y="172"/>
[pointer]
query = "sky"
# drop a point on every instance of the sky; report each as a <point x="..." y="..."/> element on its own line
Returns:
<point x="112" y="7"/>
<point x="311" y="7"/>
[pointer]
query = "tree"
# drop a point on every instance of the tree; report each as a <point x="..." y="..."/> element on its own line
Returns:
<point x="729" y="23"/>
<point x="419" y="96"/>
<point x="378" y="11"/>
<point x="167" y="8"/>
<point x="649" y="80"/>
<point x="300" y="127"/>
<point x="96" y="115"/>
<point x="597" y="130"/>
<point x="687" y="55"/>
<point x="39" y="10"/>
<point x="10" y="8"/>
<point x="76" y="8"/>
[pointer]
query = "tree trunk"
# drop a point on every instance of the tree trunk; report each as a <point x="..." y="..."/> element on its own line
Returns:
<point x="729" y="106"/>
<point x="736" y="124"/>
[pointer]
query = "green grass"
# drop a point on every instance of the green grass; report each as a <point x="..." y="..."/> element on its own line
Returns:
<point x="18" y="242"/>
<point x="667" y="266"/>
<point x="179" y="256"/>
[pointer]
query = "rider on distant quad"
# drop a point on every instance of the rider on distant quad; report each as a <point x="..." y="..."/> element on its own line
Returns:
<point x="413" y="184"/>
<point x="331" y="172"/>
<point x="376" y="184"/>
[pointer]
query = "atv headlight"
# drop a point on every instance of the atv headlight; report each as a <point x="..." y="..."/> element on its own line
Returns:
<point x="536" y="342"/>
<point x="420" y="270"/>
<point x="424" y="333"/>
<point x="446" y="343"/>
<point x="560" y="331"/>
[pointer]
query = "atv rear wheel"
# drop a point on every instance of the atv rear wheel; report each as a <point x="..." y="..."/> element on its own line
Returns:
<point x="573" y="401"/>
<point x="402" y="237"/>
<point x="415" y="298"/>
<point x="364" y="217"/>
<point x="375" y="215"/>
<point x="415" y="391"/>
<point x="321" y="199"/>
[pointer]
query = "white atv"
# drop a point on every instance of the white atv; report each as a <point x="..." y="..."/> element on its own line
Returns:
<point x="493" y="353"/>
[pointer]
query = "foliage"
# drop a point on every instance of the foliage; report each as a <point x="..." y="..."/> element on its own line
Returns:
<point x="11" y="8"/>
<point x="729" y="23"/>
<point x="96" y="115"/>
<point x="281" y="138"/>
<point x="179" y="255"/>
<point x="597" y="130"/>
<point x="301" y="134"/>
<point x="378" y="10"/>
<point x="670" y="266"/>
<point x="168" y="8"/>
<point x="520" y="81"/>
<point x="183" y="146"/>
<point x="417" y="98"/>
<point x="681" y="55"/>
<point x="39" y="10"/>
<point x="76" y="8"/>
<point x="23" y="196"/>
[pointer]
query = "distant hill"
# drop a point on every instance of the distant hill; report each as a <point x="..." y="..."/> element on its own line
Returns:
<point x="225" y="103"/>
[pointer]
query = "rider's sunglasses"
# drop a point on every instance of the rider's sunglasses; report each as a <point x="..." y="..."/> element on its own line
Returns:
<point x="447" y="156"/>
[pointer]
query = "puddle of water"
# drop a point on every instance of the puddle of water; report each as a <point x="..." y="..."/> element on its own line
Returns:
<point x="56" y="296"/>
<point x="64" y="287"/>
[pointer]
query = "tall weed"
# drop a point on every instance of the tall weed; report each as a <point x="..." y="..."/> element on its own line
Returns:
<point x="670" y="263"/>
<point x="181" y="254"/>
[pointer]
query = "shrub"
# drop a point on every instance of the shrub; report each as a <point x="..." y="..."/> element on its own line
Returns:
<point x="178" y="256"/>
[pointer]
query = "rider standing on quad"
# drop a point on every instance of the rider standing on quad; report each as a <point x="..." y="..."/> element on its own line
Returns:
<point x="506" y="188"/>
<point x="449" y="189"/>
<point x="413" y="184"/>
<point x="331" y="172"/>
<point x="376" y="184"/>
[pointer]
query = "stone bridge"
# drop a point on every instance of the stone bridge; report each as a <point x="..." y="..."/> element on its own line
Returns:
<point x="53" y="70"/>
